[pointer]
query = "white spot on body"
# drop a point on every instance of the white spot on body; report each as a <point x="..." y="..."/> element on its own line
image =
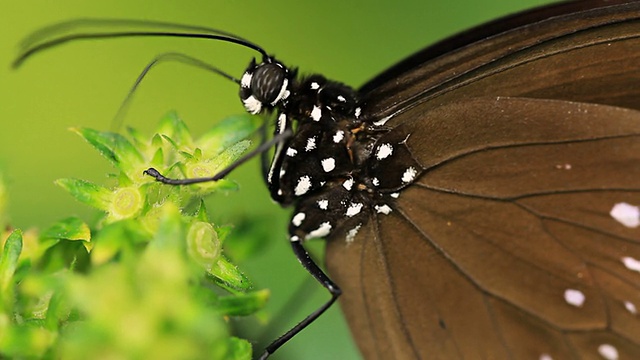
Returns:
<point x="298" y="218"/>
<point x="316" y="113"/>
<point x="395" y="195"/>
<point x="626" y="214"/>
<point x="323" y="230"/>
<point x="282" y="123"/>
<point x="323" y="204"/>
<point x="384" y="151"/>
<point x="631" y="263"/>
<point x="630" y="307"/>
<point x="348" y="184"/>
<point x="328" y="164"/>
<point x="608" y="352"/>
<point x="409" y="175"/>
<point x="375" y="181"/>
<point x="357" y="112"/>
<point x="315" y="86"/>
<point x="252" y="105"/>
<point x="282" y="172"/>
<point x="341" y="98"/>
<point x="292" y="152"/>
<point x="245" y="82"/>
<point x="303" y="185"/>
<point x="338" y="136"/>
<point x="383" y="209"/>
<point x="294" y="238"/>
<point x="354" y="209"/>
<point x="351" y="234"/>
<point x="574" y="297"/>
<point x="311" y="144"/>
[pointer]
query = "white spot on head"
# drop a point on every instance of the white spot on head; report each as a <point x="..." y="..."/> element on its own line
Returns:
<point x="630" y="307"/>
<point x="315" y="86"/>
<point x="291" y="152"/>
<point x="341" y="98"/>
<point x="338" y="136"/>
<point x="348" y="184"/>
<point x="304" y="184"/>
<point x="631" y="263"/>
<point x="323" y="204"/>
<point x="545" y="357"/>
<point x="626" y="214"/>
<point x="351" y="234"/>
<point x="384" y="151"/>
<point x="298" y="218"/>
<point x="409" y="175"/>
<point x="608" y="352"/>
<point x="282" y="93"/>
<point x="245" y="82"/>
<point x="323" y="230"/>
<point x="375" y="181"/>
<point x="574" y="297"/>
<point x="382" y="121"/>
<point x="316" y="113"/>
<point x="354" y="209"/>
<point x="394" y="195"/>
<point x="311" y="143"/>
<point x="252" y="105"/>
<point x="357" y="112"/>
<point x="383" y="209"/>
<point x="328" y="164"/>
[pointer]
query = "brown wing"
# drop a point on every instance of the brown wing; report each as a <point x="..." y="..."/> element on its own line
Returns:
<point x="483" y="256"/>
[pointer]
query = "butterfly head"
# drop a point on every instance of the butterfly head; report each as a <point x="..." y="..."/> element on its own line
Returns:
<point x="265" y="85"/>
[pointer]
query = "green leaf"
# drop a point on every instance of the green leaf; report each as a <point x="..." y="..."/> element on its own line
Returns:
<point x="243" y="304"/>
<point x="71" y="228"/>
<point x="87" y="192"/>
<point x="8" y="264"/>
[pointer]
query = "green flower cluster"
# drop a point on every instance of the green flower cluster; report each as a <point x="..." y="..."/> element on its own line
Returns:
<point x="149" y="279"/>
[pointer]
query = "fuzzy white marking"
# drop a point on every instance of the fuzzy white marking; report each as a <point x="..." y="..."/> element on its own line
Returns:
<point x="545" y="357"/>
<point x="311" y="144"/>
<point x="297" y="220"/>
<point x="304" y="184"/>
<point x="626" y="214"/>
<point x="354" y="209"/>
<point x="316" y="113"/>
<point x="574" y="297"/>
<point x="292" y="152"/>
<point x="323" y="230"/>
<point x="382" y="121"/>
<point x="383" y="209"/>
<point x="282" y="123"/>
<point x="630" y="307"/>
<point x="348" y="184"/>
<point x="252" y="105"/>
<point x="338" y="136"/>
<point x="409" y="175"/>
<point x="341" y="98"/>
<point x="351" y="234"/>
<point x="631" y="263"/>
<point x="323" y="204"/>
<point x="395" y="195"/>
<point x="609" y="352"/>
<point x="280" y="192"/>
<point x="245" y="82"/>
<point x="315" y="86"/>
<point x="294" y="238"/>
<point x="357" y="112"/>
<point x="286" y="94"/>
<point x="384" y="151"/>
<point x="328" y="164"/>
<point x="283" y="91"/>
<point x="282" y="172"/>
<point x="375" y="181"/>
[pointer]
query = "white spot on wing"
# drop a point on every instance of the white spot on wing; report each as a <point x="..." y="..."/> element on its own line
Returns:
<point x="292" y="152"/>
<point x="311" y="143"/>
<point x="574" y="297"/>
<point x="354" y="209"/>
<point x="626" y="214"/>
<point x="409" y="175"/>
<point x="338" y="136"/>
<point x="631" y="263"/>
<point x="395" y="195"/>
<point x="252" y="105"/>
<point x="323" y="230"/>
<point x="245" y="82"/>
<point x="328" y="164"/>
<point x="630" y="307"/>
<point x="348" y="184"/>
<point x="316" y="113"/>
<point x="383" y="209"/>
<point x="384" y="151"/>
<point x="304" y="184"/>
<point x="351" y="234"/>
<point x="323" y="204"/>
<point x="375" y="181"/>
<point x="608" y="352"/>
<point x="545" y="357"/>
<point x="298" y="218"/>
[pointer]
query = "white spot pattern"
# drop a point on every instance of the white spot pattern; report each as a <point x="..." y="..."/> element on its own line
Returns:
<point x="409" y="175"/>
<point x="338" y="136"/>
<point x="316" y="113"/>
<point x="348" y="184"/>
<point x="383" y="209"/>
<point x="245" y="82"/>
<point x="328" y="164"/>
<point x="341" y="98"/>
<point x="630" y="307"/>
<point x="375" y="181"/>
<point x="545" y="357"/>
<point x="303" y="185"/>
<point x="574" y="297"/>
<point x="292" y="152"/>
<point x="384" y="151"/>
<point x="311" y="144"/>
<point x="252" y="105"/>
<point x="357" y="112"/>
<point x="351" y="234"/>
<point x="315" y="86"/>
<point x="323" y="230"/>
<point x="626" y="214"/>
<point x="283" y="92"/>
<point x="323" y="204"/>
<point x="354" y="209"/>
<point x="631" y="263"/>
<point x="395" y="195"/>
<point x="609" y="352"/>
<point x="298" y="218"/>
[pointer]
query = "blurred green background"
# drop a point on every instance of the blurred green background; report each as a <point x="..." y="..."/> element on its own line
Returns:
<point x="82" y="84"/>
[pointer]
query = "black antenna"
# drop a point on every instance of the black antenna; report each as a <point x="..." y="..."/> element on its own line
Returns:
<point x="91" y="29"/>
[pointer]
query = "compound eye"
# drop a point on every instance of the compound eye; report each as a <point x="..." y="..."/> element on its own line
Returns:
<point x="269" y="82"/>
